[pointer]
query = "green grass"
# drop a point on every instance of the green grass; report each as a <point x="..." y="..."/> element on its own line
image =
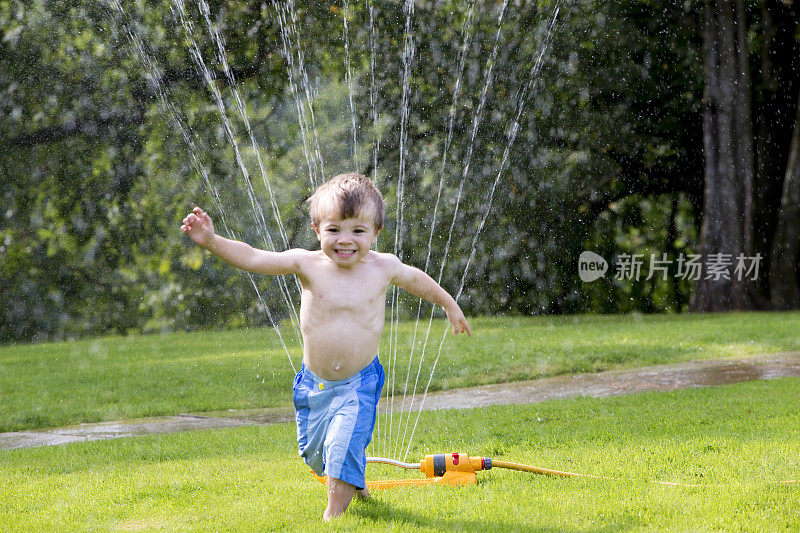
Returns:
<point x="109" y="378"/>
<point x="251" y="479"/>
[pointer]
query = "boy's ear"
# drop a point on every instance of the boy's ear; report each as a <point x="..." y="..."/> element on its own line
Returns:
<point x="375" y="239"/>
<point x="316" y="231"/>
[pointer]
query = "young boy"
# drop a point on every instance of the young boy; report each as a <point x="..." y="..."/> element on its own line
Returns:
<point x="342" y="313"/>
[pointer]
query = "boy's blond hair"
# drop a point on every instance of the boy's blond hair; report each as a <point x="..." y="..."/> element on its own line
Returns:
<point x="348" y="195"/>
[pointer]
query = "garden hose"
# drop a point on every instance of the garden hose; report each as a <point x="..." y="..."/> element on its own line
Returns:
<point x="534" y="469"/>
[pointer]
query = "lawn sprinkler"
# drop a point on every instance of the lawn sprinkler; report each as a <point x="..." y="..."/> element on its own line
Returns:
<point x="458" y="469"/>
<point x="449" y="469"/>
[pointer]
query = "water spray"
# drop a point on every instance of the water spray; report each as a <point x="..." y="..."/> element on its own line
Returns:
<point x="459" y="469"/>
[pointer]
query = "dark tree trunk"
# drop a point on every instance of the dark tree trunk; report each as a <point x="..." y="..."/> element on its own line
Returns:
<point x="743" y="119"/>
<point x="774" y="96"/>
<point x="727" y="140"/>
<point x="784" y="290"/>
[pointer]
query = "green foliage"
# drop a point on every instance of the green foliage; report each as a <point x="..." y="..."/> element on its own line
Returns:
<point x="642" y="226"/>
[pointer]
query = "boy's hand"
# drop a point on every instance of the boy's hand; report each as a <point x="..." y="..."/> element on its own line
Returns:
<point x="458" y="320"/>
<point x="199" y="227"/>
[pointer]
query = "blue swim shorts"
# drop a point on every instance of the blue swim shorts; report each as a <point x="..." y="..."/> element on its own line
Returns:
<point x="335" y="420"/>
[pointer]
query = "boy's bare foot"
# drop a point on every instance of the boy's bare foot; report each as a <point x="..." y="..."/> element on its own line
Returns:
<point x="333" y="510"/>
<point x="340" y="493"/>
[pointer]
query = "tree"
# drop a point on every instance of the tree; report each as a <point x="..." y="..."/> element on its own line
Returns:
<point x="727" y="139"/>
<point x="785" y="251"/>
<point x="746" y="165"/>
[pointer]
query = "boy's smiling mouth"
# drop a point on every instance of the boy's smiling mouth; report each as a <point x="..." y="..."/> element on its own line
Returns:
<point x="343" y="252"/>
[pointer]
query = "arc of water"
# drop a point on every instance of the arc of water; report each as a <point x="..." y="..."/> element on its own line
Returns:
<point x="190" y="138"/>
<point x="510" y="138"/>
<point x="377" y="440"/>
<point x="408" y="55"/>
<point x="306" y="87"/>
<point x="377" y="437"/>
<point x="349" y="81"/>
<point x="197" y="56"/>
<point x="256" y="207"/>
<point x="291" y="35"/>
<point x="476" y="122"/>
<point x="286" y="39"/>
<point x="222" y="58"/>
<point x="372" y="92"/>
<point x="461" y="59"/>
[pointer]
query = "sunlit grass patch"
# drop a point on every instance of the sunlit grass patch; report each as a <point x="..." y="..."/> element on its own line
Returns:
<point x="109" y="378"/>
<point x="741" y="436"/>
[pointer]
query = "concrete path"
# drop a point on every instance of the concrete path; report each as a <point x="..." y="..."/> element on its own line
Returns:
<point x="615" y="382"/>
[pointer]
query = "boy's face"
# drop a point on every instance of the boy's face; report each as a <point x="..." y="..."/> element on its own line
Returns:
<point x="346" y="241"/>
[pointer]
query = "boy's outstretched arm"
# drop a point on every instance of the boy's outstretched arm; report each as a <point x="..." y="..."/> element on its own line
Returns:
<point x="420" y="284"/>
<point x="200" y="228"/>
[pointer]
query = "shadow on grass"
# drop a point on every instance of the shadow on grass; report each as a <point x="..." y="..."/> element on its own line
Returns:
<point x="382" y="512"/>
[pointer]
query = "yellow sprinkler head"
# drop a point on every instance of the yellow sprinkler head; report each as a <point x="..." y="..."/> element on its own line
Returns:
<point x="453" y="468"/>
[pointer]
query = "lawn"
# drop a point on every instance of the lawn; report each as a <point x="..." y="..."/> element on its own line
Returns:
<point x="249" y="479"/>
<point x="111" y="378"/>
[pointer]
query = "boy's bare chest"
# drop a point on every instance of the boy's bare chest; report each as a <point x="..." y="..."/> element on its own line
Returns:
<point x="351" y="291"/>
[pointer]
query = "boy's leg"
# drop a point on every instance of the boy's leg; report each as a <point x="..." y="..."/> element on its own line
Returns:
<point x="349" y="433"/>
<point x="340" y="494"/>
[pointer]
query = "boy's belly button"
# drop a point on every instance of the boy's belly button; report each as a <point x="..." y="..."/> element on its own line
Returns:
<point x="336" y="368"/>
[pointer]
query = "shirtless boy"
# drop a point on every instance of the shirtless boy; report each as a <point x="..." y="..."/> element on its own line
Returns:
<point x="342" y="312"/>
